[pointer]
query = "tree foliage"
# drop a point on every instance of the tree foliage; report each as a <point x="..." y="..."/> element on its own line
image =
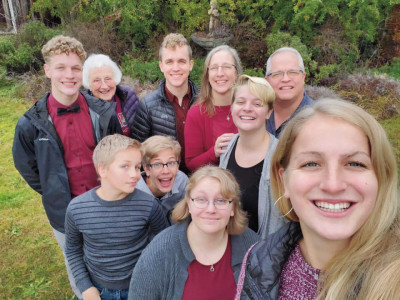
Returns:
<point x="336" y="33"/>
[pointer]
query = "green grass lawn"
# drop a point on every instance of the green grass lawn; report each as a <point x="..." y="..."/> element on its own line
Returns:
<point x="31" y="264"/>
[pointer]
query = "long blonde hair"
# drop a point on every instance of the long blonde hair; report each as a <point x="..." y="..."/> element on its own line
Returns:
<point x="370" y="267"/>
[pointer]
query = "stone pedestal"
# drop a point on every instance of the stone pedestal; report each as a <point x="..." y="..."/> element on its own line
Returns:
<point x="209" y="43"/>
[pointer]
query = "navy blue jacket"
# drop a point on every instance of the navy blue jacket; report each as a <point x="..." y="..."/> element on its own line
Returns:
<point x="39" y="154"/>
<point x="156" y="115"/>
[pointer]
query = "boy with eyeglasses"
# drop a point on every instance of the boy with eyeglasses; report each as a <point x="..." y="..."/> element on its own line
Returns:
<point x="163" y="112"/>
<point x="108" y="227"/>
<point x="286" y="75"/>
<point x="161" y="177"/>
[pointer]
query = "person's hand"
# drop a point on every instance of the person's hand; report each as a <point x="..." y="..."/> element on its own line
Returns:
<point x="222" y="143"/>
<point x="91" y="294"/>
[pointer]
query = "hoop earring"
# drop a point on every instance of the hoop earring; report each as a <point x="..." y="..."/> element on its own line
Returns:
<point x="289" y="209"/>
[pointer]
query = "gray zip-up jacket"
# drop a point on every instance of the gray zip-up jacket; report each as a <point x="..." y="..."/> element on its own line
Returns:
<point x="269" y="218"/>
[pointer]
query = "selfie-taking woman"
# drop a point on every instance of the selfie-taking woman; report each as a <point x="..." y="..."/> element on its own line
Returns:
<point x="200" y="257"/>
<point x="249" y="153"/>
<point x="334" y="176"/>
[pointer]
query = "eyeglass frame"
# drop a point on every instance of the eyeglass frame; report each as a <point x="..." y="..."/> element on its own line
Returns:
<point x="282" y="73"/>
<point x="222" y="67"/>
<point x="213" y="202"/>
<point x="175" y="163"/>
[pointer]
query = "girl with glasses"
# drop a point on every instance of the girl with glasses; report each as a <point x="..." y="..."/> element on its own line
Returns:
<point x="200" y="256"/>
<point x="209" y="126"/>
<point x="334" y="176"/>
<point x="161" y="177"/>
<point x="249" y="153"/>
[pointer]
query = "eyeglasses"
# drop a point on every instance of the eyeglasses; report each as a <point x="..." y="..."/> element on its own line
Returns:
<point x="291" y="74"/>
<point x="224" y="67"/>
<point x="159" y="166"/>
<point x="203" y="203"/>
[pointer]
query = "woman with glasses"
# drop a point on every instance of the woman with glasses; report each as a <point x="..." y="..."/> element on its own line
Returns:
<point x="209" y="126"/>
<point x="249" y="153"/>
<point x="334" y="176"/>
<point x="200" y="257"/>
<point x="161" y="177"/>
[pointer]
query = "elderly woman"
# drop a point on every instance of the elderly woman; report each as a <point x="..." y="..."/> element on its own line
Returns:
<point x="249" y="153"/>
<point x="336" y="178"/>
<point x="101" y="76"/>
<point x="209" y="126"/>
<point x="161" y="177"/>
<point x="200" y="257"/>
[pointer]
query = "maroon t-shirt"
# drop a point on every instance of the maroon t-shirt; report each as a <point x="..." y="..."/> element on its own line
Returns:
<point x="180" y="114"/>
<point x="118" y="110"/>
<point x="203" y="284"/>
<point x="76" y="134"/>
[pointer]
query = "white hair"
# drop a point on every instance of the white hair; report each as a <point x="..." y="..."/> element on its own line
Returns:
<point x="96" y="61"/>
<point x="285" y="49"/>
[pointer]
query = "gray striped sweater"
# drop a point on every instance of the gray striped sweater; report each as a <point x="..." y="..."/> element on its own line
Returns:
<point x="104" y="239"/>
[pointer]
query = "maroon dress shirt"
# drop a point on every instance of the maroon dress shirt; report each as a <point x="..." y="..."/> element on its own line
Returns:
<point x="180" y="118"/>
<point x="76" y="134"/>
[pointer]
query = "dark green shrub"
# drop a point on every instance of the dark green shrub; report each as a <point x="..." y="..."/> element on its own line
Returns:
<point x="392" y="69"/>
<point x="21" y="53"/>
<point x="197" y="71"/>
<point x="282" y="39"/>
<point x="150" y="71"/>
<point x="142" y="71"/>
<point x="21" y="59"/>
<point x="257" y="72"/>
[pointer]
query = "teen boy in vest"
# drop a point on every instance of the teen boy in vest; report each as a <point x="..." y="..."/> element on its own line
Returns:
<point x="108" y="227"/>
<point x="163" y="112"/>
<point x="54" y="140"/>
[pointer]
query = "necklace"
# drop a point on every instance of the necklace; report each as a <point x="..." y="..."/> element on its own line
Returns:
<point x="227" y="117"/>
<point x="212" y="268"/>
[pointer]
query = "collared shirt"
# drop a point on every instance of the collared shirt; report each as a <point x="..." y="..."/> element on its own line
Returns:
<point x="271" y="121"/>
<point x="76" y="134"/>
<point x="180" y="118"/>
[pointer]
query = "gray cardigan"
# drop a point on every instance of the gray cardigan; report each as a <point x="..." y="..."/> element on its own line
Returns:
<point x="269" y="218"/>
<point x="161" y="271"/>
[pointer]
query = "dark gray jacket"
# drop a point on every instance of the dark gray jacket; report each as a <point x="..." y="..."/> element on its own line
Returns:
<point x="156" y="115"/>
<point x="129" y="103"/>
<point x="266" y="261"/>
<point x="161" y="271"/>
<point x="39" y="153"/>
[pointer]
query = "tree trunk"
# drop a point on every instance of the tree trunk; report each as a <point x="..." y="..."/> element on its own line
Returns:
<point x="7" y="14"/>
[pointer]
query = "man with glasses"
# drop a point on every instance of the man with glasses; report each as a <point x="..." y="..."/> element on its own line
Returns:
<point x="285" y="73"/>
<point x="163" y="112"/>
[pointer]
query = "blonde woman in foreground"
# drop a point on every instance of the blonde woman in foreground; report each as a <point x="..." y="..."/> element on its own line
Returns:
<point x="334" y="177"/>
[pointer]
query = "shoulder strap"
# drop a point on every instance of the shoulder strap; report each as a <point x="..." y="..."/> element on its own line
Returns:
<point x="242" y="273"/>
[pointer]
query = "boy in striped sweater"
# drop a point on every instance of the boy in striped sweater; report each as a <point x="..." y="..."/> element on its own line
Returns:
<point x="108" y="227"/>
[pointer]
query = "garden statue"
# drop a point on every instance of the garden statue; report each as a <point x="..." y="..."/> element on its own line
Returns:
<point x="215" y="24"/>
<point x="218" y="34"/>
